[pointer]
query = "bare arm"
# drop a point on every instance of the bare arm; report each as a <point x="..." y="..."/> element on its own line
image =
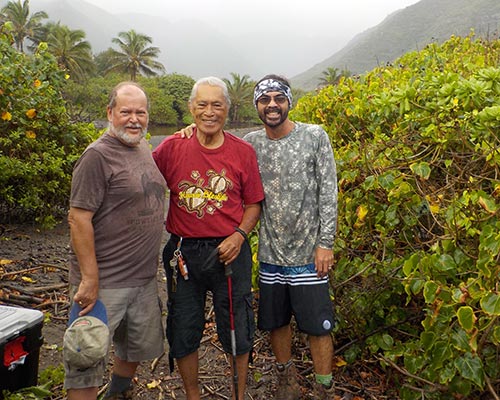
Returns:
<point x="231" y="246"/>
<point x="82" y="240"/>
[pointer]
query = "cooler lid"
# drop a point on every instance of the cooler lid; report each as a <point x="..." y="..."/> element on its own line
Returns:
<point x="14" y="320"/>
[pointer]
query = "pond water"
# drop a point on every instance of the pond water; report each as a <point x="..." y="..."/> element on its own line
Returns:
<point x="162" y="130"/>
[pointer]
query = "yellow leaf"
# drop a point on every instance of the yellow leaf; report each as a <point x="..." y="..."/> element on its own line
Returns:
<point x="340" y="362"/>
<point x="434" y="208"/>
<point x="153" y="384"/>
<point x="361" y="212"/>
<point x="28" y="279"/>
<point x="5" y="262"/>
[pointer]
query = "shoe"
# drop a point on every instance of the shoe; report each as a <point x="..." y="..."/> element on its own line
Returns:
<point x="321" y="392"/>
<point x="288" y="387"/>
<point x="126" y="395"/>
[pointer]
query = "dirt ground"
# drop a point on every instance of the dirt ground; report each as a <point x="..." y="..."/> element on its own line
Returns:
<point x="33" y="274"/>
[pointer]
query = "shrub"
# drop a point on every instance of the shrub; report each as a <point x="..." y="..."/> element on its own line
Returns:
<point x="38" y="144"/>
<point x="418" y="244"/>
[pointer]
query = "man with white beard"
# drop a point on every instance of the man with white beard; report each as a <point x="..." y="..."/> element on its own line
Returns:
<point x="116" y="222"/>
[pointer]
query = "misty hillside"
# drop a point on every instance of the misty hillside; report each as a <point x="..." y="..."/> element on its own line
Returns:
<point x="407" y="30"/>
<point x="190" y="47"/>
<point x="183" y="49"/>
<point x="197" y="49"/>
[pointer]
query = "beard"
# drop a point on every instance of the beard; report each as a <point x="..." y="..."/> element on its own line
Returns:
<point x="124" y="137"/>
<point x="274" y="122"/>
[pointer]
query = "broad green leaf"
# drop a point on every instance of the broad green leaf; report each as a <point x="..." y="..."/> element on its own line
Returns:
<point x="466" y="318"/>
<point x="496" y="335"/>
<point x="488" y="204"/>
<point x="491" y="304"/>
<point x="445" y="262"/>
<point x="460" y="340"/>
<point x="430" y="291"/>
<point x="441" y="352"/>
<point x="471" y="368"/>
<point x="421" y="169"/>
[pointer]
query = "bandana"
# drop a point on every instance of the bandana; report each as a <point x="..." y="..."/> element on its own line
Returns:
<point x="272" y="85"/>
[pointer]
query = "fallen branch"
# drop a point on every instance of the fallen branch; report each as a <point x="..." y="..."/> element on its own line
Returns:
<point x="491" y="388"/>
<point x="23" y="297"/>
<point x="23" y="271"/>
<point x="48" y="287"/>
<point x="155" y="362"/>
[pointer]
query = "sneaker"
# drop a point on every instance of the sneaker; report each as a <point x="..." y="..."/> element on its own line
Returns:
<point x="322" y="392"/>
<point x="288" y="387"/>
<point x="126" y="395"/>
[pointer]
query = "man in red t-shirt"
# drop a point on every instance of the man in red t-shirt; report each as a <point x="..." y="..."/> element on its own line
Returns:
<point x="215" y="195"/>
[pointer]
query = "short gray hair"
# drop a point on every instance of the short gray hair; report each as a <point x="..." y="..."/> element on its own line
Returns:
<point x="212" y="81"/>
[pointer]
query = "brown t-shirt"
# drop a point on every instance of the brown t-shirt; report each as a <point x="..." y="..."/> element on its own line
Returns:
<point x="124" y="188"/>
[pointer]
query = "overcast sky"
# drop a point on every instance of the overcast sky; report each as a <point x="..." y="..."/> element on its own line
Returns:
<point x="339" y="19"/>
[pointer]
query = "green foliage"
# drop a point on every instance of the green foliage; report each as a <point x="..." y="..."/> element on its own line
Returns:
<point x="38" y="144"/>
<point x="49" y="381"/>
<point x="178" y="87"/>
<point x="418" y="238"/>
<point x="168" y="98"/>
<point x="24" y="24"/>
<point x="134" y="56"/>
<point x="241" y="94"/>
<point x="72" y="52"/>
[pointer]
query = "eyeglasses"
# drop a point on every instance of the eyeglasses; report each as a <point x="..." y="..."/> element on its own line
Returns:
<point x="279" y="99"/>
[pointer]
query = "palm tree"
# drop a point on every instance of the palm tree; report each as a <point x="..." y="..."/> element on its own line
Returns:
<point x="331" y="76"/>
<point x="72" y="52"/>
<point x="134" y="56"/>
<point x="24" y="25"/>
<point x="241" y="94"/>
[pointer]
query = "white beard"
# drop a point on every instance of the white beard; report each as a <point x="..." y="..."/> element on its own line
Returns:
<point x="122" y="134"/>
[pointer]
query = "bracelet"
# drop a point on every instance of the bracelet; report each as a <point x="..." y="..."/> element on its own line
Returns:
<point x="241" y="232"/>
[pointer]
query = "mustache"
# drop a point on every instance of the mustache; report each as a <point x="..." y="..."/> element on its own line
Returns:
<point x="272" y="109"/>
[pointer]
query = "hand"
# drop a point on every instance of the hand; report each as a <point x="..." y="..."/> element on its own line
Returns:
<point x="86" y="296"/>
<point x="323" y="261"/>
<point x="186" y="132"/>
<point x="230" y="248"/>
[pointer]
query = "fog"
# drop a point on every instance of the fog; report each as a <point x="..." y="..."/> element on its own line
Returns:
<point x="290" y="36"/>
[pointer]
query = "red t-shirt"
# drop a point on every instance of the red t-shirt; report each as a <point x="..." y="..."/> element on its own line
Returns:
<point x="208" y="187"/>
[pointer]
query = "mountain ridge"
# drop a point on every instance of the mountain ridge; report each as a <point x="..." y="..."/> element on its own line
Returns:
<point x="405" y="30"/>
<point x="184" y="50"/>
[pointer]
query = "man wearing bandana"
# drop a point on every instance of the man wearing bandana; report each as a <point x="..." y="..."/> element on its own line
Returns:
<point x="298" y="223"/>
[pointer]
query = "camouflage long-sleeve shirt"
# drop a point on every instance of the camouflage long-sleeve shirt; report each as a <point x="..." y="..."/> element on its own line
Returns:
<point x="299" y="212"/>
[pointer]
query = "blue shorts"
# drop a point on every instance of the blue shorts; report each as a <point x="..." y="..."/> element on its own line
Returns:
<point x="187" y="298"/>
<point x="297" y="291"/>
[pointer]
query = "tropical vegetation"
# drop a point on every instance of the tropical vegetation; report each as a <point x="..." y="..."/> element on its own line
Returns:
<point x="416" y="274"/>
<point x="416" y="142"/>
<point x="134" y="56"/>
<point x="24" y="25"/>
